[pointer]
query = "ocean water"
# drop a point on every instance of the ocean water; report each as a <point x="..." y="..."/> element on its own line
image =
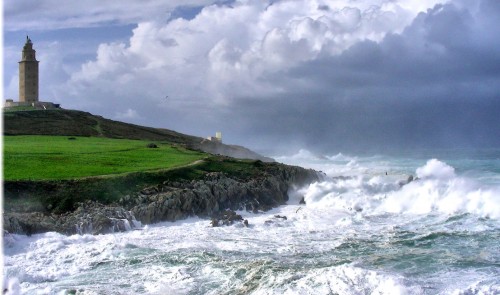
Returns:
<point x="361" y="231"/>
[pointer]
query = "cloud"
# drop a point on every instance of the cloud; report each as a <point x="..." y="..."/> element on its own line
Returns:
<point x="327" y="74"/>
<point x="127" y="115"/>
<point x="435" y="84"/>
<point x="224" y="51"/>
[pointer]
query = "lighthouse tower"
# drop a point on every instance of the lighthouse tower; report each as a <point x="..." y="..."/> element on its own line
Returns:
<point x="28" y="74"/>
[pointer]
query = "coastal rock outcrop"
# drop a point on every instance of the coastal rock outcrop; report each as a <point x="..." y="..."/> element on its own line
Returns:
<point x="89" y="218"/>
<point x="171" y="200"/>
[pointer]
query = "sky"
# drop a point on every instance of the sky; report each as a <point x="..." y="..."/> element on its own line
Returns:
<point x="273" y="75"/>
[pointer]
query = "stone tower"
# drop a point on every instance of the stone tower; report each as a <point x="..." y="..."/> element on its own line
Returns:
<point x="28" y="74"/>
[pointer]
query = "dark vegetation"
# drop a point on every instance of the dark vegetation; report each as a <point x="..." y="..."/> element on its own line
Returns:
<point x="76" y="123"/>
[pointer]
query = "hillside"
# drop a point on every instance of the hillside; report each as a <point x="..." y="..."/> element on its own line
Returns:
<point x="77" y="123"/>
<point x="52" y="155"/>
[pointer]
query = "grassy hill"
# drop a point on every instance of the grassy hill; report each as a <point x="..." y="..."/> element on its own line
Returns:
<point x="61" y="122"/>
<point x="78" y="123"/>
<point x="57" y="158"/>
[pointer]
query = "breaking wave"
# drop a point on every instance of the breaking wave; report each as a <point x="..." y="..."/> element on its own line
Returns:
<point x="436" y="188"/>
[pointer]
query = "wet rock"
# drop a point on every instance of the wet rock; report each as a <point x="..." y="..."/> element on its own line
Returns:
<point x="88" y="218"/>
<point x="99" y="224"/>
<point x="227" y="217"/>
<point x="276" y="221"/>
<point x="302" y="201"/>
<point x="214" y="222"/>
<point x="28" y="223"/>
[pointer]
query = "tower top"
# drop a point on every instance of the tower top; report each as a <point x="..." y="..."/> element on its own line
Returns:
<point x="29" y="54"/>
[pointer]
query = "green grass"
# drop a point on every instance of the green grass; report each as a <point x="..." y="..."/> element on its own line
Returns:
<point x="42" y="172"/>
<point x="58" y="157"/>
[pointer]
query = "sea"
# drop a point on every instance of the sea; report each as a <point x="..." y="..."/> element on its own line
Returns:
<point x="425" y="222"/>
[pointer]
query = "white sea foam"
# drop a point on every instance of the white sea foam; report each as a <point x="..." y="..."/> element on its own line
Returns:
<point x="336" y="165"/>
<point x="480" y="288"/>
<point x="437" y="189"/>
<point x="343" y="279"/>
<point x="440" y="190"/>
<point x="436" y="169"/>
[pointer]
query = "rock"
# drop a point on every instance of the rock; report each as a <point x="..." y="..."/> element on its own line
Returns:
<point x="100" y="224"/>
<point x="227" y="217"/>
<point x="214" y="222"/>
<point x="276" y="221"/>
<point x="171" y="201"/>
<point x="152" y="146"/>
<point x="302" y="201"/>
<point x="149" y="191"/>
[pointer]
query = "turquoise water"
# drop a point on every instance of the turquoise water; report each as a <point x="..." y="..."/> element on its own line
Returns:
<point x="363" y="230"/>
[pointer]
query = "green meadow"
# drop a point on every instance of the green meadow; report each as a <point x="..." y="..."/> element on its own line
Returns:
<point x="61" y="157"/>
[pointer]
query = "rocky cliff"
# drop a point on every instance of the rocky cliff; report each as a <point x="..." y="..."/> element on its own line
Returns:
<point x="170" y="200"/>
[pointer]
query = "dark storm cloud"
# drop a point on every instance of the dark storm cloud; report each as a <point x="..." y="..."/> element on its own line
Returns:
<point x="435" y="85"/>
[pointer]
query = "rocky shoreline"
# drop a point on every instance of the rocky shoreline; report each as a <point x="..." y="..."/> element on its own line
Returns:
<point x="214" y="197"/>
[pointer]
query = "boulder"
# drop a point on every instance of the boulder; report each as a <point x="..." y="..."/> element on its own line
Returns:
<point x="227" y="217"/>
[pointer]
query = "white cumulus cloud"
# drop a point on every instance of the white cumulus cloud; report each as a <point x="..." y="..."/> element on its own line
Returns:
<point x="224" y="51"/>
